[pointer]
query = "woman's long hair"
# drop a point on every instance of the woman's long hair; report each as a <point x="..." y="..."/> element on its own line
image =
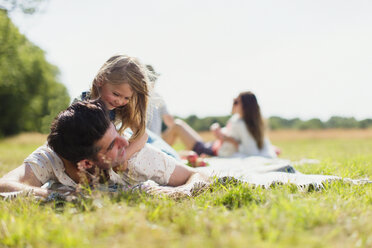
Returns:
<point x="252" y="117"/>
<point x="120" y="69"/>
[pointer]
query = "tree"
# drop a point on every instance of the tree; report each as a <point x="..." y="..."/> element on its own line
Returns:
<point x="26" y="6"/>
<point x="203" y="124"/>
<point x="310" y="124"/>
<point x="342" y="122"/>
<point x="29" y="89"/>
<point x="367" y="123"/>
<point x="276" y="122"/>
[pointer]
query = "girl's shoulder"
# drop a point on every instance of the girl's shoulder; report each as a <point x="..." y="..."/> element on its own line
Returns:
<point x="236" y="119"/>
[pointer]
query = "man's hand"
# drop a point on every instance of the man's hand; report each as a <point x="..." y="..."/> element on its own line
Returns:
<point x="22" y="179"/>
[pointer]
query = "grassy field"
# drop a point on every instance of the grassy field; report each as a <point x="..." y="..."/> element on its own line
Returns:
<point x="224" y="216"/>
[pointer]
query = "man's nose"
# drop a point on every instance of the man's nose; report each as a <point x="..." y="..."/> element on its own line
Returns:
<point x="124" y="142"/>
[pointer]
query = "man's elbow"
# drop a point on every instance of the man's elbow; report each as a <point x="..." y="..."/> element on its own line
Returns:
<point x="180" y="179"/>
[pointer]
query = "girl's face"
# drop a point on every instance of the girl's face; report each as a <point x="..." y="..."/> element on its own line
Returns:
<point x="115" y="95"/>
<point x="237" y="107"/>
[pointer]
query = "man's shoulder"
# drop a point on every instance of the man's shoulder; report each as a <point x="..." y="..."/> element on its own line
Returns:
<point x="43" y="155"/>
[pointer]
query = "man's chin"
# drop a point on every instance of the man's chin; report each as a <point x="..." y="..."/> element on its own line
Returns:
<point x="104" y="166"/>
<point x="120" y="168"/>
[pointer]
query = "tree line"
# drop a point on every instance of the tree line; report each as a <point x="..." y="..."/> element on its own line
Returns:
<point x="275" y="122"/>
<point x="30" y="93"/>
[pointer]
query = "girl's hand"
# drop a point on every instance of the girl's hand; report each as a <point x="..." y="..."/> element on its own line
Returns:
<point x="217" y="131"/>
<point x="136" y="145"/>
<point x="215" y="126"/>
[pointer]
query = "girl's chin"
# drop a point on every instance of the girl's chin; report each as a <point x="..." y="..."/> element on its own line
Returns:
<point x="109" y="106"/>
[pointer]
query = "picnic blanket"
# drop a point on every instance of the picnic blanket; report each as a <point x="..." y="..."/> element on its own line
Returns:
<point x="260" y="171"/>
<point x="256" y="171"/>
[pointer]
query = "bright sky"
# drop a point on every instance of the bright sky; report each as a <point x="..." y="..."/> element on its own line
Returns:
<point x="301" y="58"/>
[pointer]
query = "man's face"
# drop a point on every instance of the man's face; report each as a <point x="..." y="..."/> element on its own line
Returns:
<point x="113" y="149"/>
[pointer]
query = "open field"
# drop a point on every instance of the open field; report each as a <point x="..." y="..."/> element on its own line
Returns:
<point x="225" y="216"/>
<point x="290" y="134"/>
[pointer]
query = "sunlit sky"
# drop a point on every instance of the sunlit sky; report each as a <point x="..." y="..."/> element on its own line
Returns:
<point x="301" y="58"/>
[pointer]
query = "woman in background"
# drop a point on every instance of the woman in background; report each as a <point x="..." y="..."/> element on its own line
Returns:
<point x="244" y="133"/>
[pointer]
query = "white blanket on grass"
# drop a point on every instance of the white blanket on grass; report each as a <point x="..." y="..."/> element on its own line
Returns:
<point x="256" y="171"/>
<point x="260" y="171"/>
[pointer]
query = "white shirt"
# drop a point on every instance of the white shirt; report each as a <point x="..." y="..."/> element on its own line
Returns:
<point x="237" y="129"/>
<point x="155" y="111"/>
<point x="47" y="165"/>
<point x="150" y="163"/>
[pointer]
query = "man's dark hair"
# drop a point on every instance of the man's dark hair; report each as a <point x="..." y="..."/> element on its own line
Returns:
<point x="75" y="131"/>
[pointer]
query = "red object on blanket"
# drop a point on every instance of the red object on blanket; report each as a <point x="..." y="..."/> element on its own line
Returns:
<point x="194" y="160"/>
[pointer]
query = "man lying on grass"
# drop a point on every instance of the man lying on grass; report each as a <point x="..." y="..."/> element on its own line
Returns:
<point x="84" y="147"/>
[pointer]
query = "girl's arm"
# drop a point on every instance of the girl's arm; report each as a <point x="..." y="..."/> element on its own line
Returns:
<point x="136" y="145"/>
<point x="231" y="140"/>
<point x="220" y="135"/>
<point x="217" y="130"/>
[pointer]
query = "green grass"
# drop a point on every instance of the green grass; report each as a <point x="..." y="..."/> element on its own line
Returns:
<point x="231" y="215"/>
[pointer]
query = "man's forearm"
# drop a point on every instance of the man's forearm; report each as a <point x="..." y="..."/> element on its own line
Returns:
<point x="196" y="182"/>
<point x="197" y="177"/>
<point x="11" y="186"/>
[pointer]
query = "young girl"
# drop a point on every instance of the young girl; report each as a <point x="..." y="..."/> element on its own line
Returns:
<point x="243" y="134"/>
<point x="122" y="84"/>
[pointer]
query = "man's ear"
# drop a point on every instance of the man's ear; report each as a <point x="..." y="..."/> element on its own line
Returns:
<point x="85" y="164"/>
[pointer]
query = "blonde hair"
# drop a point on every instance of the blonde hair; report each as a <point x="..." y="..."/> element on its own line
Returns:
<point x="121" y="69"/>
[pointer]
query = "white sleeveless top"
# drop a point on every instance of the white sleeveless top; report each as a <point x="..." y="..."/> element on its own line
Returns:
<point x="237" y="129"/>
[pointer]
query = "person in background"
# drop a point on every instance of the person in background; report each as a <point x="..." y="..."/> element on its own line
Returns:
<point x="157" y="111"/>
<point x="244" y="134"/>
